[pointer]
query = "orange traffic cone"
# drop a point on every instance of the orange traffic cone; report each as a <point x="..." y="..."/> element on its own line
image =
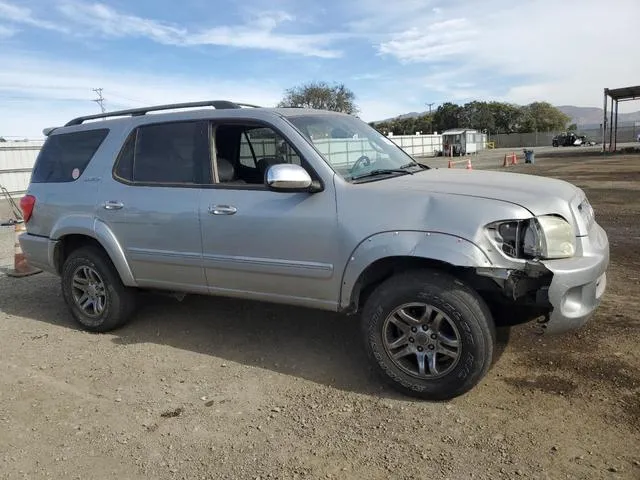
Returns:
<point x="514" y="158"/>
<point x="449" y="166"/>
<point x="469" y="167"/>
<point x="505" y="163"/>
<point x="20" y="266"/>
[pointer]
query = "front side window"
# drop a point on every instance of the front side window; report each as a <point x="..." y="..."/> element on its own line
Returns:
<point x="350" y="146"/>
<point x="245" y="152"/>
<point x="168" y="153"/>
<point x="65" y="156"/>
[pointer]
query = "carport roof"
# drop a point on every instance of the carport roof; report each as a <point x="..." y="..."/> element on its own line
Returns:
<point x="624" y="93"/>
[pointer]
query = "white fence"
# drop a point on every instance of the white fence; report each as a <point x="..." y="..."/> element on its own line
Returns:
<point x="17" y="158"/>
<point x="16" y="163"/>
<point x="418" y="145"/>
<point x="344" y="152"/>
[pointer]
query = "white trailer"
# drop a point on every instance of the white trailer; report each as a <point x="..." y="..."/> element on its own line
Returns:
<point x="462" y="141"/>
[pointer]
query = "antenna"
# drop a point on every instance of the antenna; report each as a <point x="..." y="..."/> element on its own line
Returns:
<point x="100" y="99"/>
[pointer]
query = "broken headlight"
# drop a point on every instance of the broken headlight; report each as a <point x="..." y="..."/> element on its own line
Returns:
<point x="544" y="237"/>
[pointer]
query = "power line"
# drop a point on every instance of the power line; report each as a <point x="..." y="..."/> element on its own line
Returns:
<point x="100" y="100"/>
<point x="146" y="104"/>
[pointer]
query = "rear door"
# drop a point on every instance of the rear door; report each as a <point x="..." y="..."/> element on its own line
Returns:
<point x="151" y="203"/>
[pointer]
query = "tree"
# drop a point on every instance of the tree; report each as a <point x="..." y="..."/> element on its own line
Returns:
<point x="477" y="115"/>
<point x="496" y="117"/>
<point x="572" y="128"/>
<point x="506" y="116"/>
<point x="321" y="96"/>
<point x="2" y="140"/>
<point x="447" y="116"/>
<point x="424" y="124"/>
<point x="542" y="117"/>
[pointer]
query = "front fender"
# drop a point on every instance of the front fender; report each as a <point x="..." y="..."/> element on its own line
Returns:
<point x="92" y="227"/>
<point x="442" y="247"/>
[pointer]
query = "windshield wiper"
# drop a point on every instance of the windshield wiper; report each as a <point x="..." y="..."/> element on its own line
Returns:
<point x="415" y="164"/>
<point x="382" y="171"/>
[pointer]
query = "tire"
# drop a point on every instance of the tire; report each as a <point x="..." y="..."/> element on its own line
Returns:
<point x="117" y="301"/>
<point x="452" y="311"/>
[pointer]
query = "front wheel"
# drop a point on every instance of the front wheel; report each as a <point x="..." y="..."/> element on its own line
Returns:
<point x="428" y="334"/>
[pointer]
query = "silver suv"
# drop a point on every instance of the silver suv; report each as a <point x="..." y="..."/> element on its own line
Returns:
<point x="317" y="209"/>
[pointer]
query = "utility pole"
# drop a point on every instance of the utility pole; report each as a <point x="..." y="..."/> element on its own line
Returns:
<point x="430" y="118"/>
<point x="100" y="99"/>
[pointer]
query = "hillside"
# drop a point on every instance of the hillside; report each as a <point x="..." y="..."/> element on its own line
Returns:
<point x="586" y="116"/>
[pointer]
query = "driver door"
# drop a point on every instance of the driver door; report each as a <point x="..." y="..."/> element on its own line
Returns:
<point x="262" y="244"/>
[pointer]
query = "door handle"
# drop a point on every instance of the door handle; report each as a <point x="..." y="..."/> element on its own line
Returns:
<point x="222" y="209"/>
<point x="112" y="205"/>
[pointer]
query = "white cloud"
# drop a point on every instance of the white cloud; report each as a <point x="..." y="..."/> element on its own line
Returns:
<point x="105" y="20"/>
<point x="374" y="109"/>
<point x="247" y="36"/>
<point x="366" y="76"/>
<point x="37" y="93"/>
<point x="259" y="32"/>
<point x="379" y="17"/>
<point x="6" y="32"/>
<point x="562" y="52"/>
<point x="437" y="40"/>
<point x="23" y="15"/>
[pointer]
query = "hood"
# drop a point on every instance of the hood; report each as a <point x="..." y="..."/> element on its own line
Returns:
<point x="539" y="195"/>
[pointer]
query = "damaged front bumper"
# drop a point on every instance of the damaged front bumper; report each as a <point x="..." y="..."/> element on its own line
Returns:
<point x="569" y="290"/>
<point x="578" y="283"/>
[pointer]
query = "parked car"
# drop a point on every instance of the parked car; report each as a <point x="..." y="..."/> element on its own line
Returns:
<point x="571" y="140"/>
<point x="316" y="209"/>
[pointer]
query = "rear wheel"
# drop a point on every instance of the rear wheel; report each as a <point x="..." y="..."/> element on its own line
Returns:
<point x="428" y="334"/>
<point x="93" y="291"/>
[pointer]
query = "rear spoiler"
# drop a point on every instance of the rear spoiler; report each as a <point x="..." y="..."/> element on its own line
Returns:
<point x="47" y="131"/>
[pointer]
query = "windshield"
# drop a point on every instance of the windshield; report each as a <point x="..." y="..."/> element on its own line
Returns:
<point x="350" y="146"/>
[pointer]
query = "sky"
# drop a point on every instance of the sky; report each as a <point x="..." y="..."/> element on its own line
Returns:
<point x="396" y="56"/>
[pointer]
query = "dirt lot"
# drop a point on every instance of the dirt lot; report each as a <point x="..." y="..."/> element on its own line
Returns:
<point x="215" y="388"/>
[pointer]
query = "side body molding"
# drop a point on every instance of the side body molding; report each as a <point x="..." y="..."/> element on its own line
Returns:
<point x="98" y="230"/>
<point x="429" y="245"/>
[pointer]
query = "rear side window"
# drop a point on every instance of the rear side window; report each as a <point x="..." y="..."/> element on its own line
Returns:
<point x="65" y="156"/>
<point x="167" y="153"/>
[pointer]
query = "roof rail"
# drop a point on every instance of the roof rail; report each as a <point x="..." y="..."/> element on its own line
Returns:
<point x="134" y="112"/>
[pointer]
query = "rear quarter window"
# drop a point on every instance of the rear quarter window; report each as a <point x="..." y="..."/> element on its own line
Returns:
<point x="65" y="156"/>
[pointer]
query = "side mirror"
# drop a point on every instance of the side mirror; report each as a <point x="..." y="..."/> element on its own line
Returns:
<point x="288" y="177"/>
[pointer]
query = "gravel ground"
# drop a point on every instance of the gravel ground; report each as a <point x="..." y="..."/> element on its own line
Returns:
<point x="218" y="388"/>
<point x="7" y="247"/>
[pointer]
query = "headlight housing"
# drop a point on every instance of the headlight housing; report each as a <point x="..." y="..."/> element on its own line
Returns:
<point x="545" y="237"/>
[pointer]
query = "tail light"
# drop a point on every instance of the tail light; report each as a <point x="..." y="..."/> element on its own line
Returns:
<point x="26" y="204"/>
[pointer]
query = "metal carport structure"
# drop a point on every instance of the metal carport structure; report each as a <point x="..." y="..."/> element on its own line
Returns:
<point x="616" y="95"/>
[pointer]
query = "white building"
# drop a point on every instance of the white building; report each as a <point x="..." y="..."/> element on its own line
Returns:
<point x="463" y="141"/>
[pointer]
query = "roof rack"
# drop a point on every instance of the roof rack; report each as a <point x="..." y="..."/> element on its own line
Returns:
<point x="134" y="112"/>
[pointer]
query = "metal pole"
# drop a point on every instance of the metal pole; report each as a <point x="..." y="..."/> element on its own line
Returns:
<point x="611" y="126"/>
<point x="604" y="122"/>
<point x="615" y="130"/>
<point x="100" y="99"/>
<point x="430" y="118"/>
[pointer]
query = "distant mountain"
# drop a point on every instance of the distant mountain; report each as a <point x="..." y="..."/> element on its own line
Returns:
<point x="592" y="116"/>
<point x="403" y="116"/>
